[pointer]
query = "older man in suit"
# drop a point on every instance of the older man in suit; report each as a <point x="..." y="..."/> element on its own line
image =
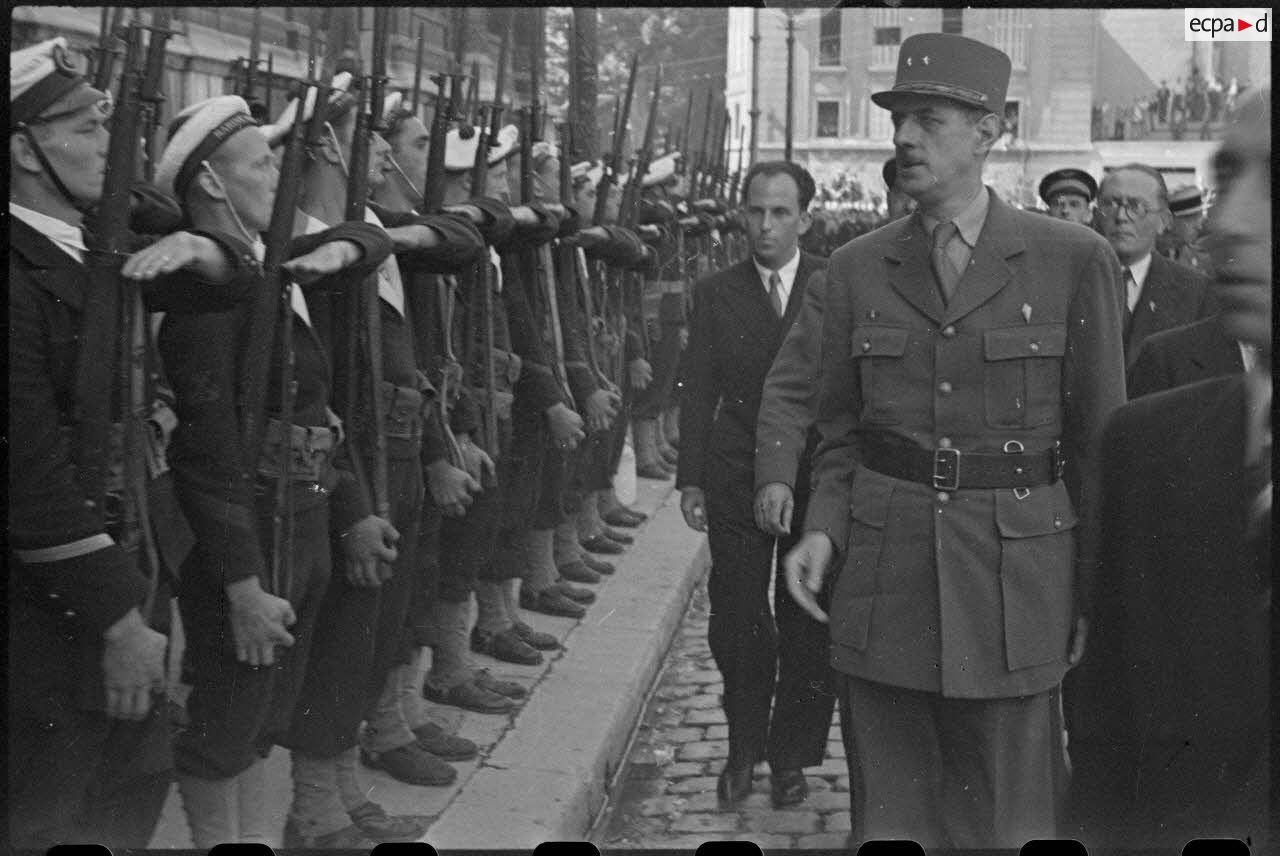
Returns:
<point x="970" y="356"/>
<point x="740" y="317"/>
<point x="1133" y="208"/>
<point x="1173" y="742"/>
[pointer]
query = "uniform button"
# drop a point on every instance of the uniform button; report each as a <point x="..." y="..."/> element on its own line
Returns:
<point x="89" y="503"/>
<point x="948" y="331"/>
<point x="872" y="314"/>
<point x="53" y="595"/>
<point x="1057" y="523"/>
<point x="944" y="443"/>
<point x="866" y="346"/>
<point x="944" y="388"/>
<point x="943" y="496"/>
<point x="1035" y="347"/>
<point x="70" y="613"/>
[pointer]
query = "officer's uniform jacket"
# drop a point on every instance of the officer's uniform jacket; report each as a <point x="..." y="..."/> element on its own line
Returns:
<point x="973" y="592"/>
<point x="204" y="356"/>
<point x="64" y="561"/>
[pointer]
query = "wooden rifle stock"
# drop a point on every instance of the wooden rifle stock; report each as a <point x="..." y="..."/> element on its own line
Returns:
<point x="152" y="93"/>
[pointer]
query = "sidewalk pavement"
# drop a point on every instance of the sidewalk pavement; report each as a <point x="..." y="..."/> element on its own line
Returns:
<point x="544" y="769"/>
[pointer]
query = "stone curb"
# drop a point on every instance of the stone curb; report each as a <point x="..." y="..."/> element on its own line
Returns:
<point x="546" y="777"/>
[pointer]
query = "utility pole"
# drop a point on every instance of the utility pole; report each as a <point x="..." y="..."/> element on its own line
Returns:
<point x="791" y="61"/>
<point x="754" y="113"/>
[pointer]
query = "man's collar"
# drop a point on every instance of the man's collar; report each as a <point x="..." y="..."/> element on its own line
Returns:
<point x="1140" y="269"/>
<point x="63" y="235"/>
<point x="788" y="269"/>
<point x="969" y="221"/>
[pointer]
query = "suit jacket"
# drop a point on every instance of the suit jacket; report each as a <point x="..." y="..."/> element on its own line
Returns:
<point x="1184" y="355"/>
<point x="1172" y="713"/>
<point x="1172" y="296"/>
<point x="734" y="336"/>
<point x="970" y="593"/>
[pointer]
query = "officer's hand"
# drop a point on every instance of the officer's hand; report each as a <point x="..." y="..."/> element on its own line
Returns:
<point x="525" y="216"/>
<point x="132" y="666"/>
<point x="1078" y="639"/>
<point x="566" y="426"/>
<point x="693" y="505"/>
<point x="367" y="543"/>
<point x="806" y="567"/>
<point x="258" y="622"/>
<point x="450" y="487"/>
<point x="602" y="409"/>
<point x="774" y="506"/>
<point x="641" y="373"/>
<point x="173" y="253"/>
<point x="476" y="461"/>
<point x="326" y="259"/>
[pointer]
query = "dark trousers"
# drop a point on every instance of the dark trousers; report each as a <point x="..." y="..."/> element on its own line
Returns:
<point x="359" y="633"/>
<point x="236" y="709"/>
<point x="951" y="773"/>
<point x="784" y="667"/>
<point x="664" y="357"/>
<point x="75" y="776"/>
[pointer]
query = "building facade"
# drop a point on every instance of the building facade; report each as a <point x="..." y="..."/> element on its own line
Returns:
<point x="1061" y="58"/>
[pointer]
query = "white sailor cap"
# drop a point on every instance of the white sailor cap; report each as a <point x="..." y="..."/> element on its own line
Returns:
<point x="43" y="76"/>
<point x="460" y="154"/>
<point x="194" y="135"/>
<point x="661" y="169"/>
<point x="277" y="131"/>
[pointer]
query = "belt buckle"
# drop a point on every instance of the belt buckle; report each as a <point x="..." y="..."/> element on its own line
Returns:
<point x="946" y="469"/>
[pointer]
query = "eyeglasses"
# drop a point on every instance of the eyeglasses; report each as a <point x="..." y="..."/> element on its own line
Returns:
<point x="1135" y="208"/>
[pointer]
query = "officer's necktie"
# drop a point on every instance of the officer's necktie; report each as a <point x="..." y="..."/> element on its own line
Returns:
<point x="1129" y="284"/>
<point x="775" y="293"/>
<point x="946" y="273"/>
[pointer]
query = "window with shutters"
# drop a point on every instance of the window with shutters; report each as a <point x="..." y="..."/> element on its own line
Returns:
<point x="886" y="28"/>
<point x="953" y="21"/>
<point x="1010" y="33"/>
<point x="828" y="119"/>
<point x="829" y="38"/>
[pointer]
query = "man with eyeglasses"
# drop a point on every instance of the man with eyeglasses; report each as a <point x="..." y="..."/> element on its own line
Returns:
<point x="1133" y="207"/>
<point x="88" y="599"/>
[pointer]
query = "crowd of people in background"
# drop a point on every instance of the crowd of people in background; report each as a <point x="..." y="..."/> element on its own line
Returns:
<point x="1199" y="102"/>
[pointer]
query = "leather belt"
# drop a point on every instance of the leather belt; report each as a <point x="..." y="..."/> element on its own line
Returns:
<point x="953" y="469"/>
<point x="311" y="450"/>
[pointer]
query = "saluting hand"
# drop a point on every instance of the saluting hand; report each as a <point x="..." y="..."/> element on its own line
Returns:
<point x="174" y="252"/>
<point x="324" y="260"/>
<point x="806" y="568"/>
<point x="774" y="507"/>
<point x="693" y="505"/>
<point x="132" y="666"/>
<point x="450" y="487"/>
<point x="367" y="543"/>
<point x="258" y="622"/>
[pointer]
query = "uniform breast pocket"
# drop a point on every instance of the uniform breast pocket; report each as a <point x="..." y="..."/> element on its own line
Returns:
<point x="1022" y="375"/>
<point x="880" y="355"/>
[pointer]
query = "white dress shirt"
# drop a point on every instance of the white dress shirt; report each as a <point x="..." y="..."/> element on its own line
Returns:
<point x="1133" y="289"/>
<point x="786" y="273"/>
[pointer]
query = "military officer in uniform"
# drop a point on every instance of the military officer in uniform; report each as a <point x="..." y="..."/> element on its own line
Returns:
<point x="88" y="733"/>
<point x="1069" y="193"/>
<point x="970" y="355"/>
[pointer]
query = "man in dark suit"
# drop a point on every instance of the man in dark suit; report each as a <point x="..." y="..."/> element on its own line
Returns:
<point x="1133" y="207"/>
<point x="1171" y="741"/>
<point x="1187" y="354"/>
<point x="740" y="317"/>
<point x="970" y="355"/>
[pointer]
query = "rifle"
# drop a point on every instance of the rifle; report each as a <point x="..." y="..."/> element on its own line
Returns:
<point x="631" y="197"/>
<point x="614" y="162"/>
<point x="273" y="306"/>
<point x="152" y="93"/>
<point x="108" y="48"/>
<point x="271" y="79"/>
<point x="255" y="49"/>
<point x="417" y="69"/>
<point x="473" y="97"/>
<point x="704" y="150"/>
<point x="573" y="262"/>
<point x="433" y="193"/>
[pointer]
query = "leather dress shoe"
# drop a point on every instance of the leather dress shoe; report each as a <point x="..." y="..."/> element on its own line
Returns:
<point x="536" y="638"/>
<point x="374" y="822"/>
<point x="410" y="764"/>
<point x="574" y="593"/>
<point x="445" y="746"/>
<point x="468" y="695"/>
<point x="347" y="838"/>
<point x="509" y="689"/>
<point x="577" y="572"/>
<point x="734" y="784"/>
<point x="621" y="537"/>
<point x="550" y="602"/>
<point x="602" y="544"/>
<point x="506" y="646"/>
<point x="623" y="517"/>
<point x="788" y="787"/>
<point x="600" y="566"/>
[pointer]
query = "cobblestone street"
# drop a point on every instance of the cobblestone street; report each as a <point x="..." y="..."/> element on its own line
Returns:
<point x="666" y="795"/>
